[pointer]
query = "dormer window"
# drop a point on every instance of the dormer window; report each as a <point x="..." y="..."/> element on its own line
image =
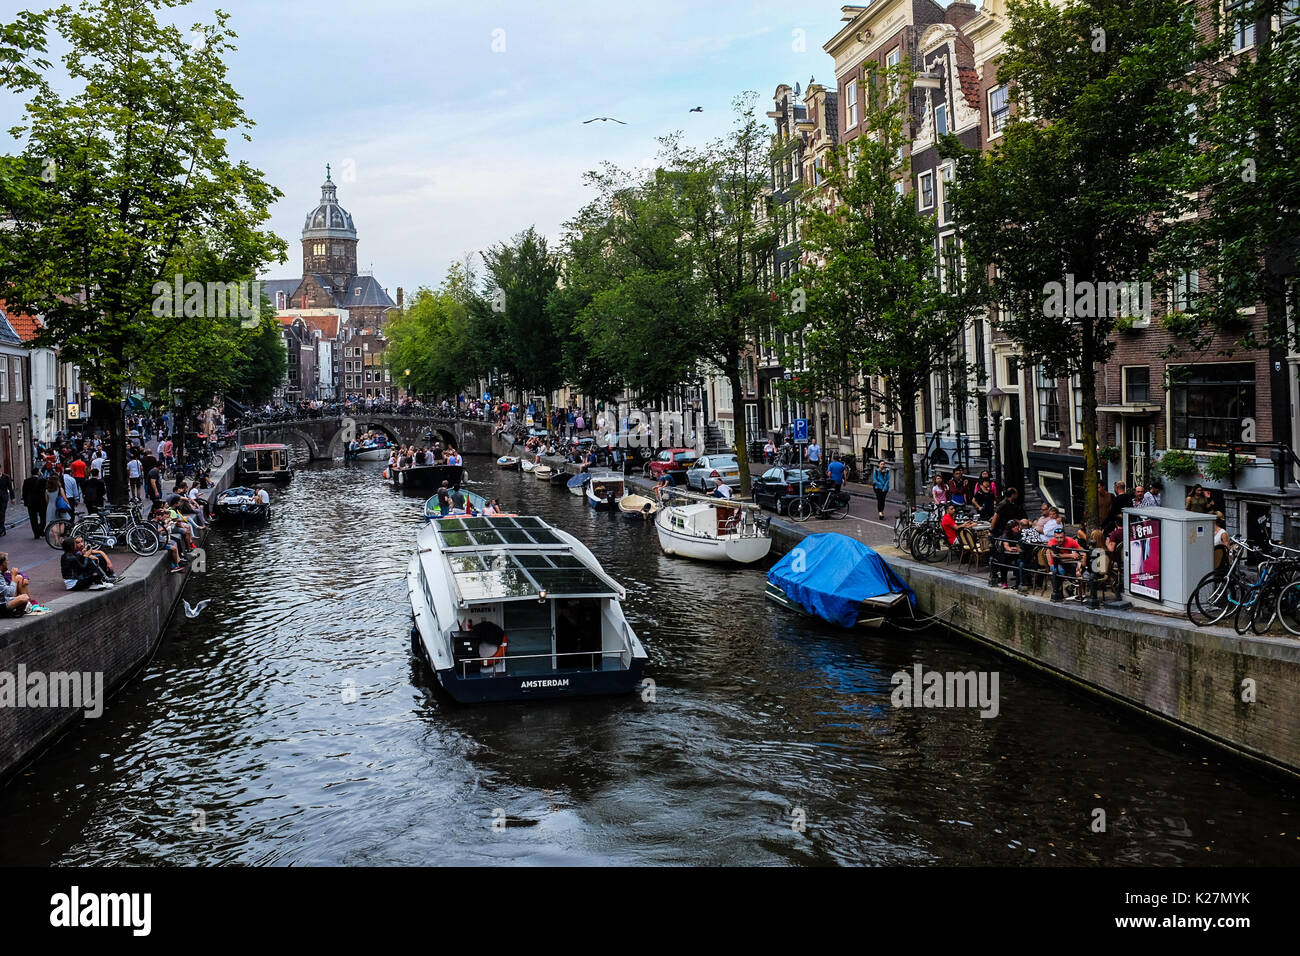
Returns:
<point x="282" y="300"/>
<point x="357" y="292"/>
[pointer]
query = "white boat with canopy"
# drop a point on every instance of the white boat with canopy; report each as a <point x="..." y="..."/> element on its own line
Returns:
<point x="713" y="529"/>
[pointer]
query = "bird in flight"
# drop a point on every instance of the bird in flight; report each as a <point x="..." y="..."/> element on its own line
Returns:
<point x="603" y="119"/>
<point x="194" y="610"/>
<point x="698" y="109"/>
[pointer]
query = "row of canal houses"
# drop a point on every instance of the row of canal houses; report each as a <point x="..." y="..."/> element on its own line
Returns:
<point x="957" y="49"/>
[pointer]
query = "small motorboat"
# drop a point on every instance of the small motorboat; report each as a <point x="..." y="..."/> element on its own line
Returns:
<point x="604" y="490"/>
<point x="240" y="504"/>
<point x="638" y="507"/>
<point x="425" y="476"/>
<point x="713" y="529"/>
<point x="560" y="478"/>
<point x="577" y="483"/>
<point x="840" y="580"/>
<point x="508" y="463"/>
<point x="476" y="502"/>
<point x="526" y="465"/>
<point x="543" y="472"/>
<point x="372" y="451"/>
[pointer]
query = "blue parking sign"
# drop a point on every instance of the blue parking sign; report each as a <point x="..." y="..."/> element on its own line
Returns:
<point x="800" y="429"/>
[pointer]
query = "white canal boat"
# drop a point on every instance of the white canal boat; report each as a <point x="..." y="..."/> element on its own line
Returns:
<point x="510" y="608"/>
<point x="713" y="529"/>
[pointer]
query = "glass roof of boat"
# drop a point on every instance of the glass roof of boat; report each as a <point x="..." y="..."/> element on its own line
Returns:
<point x="512" y="558"/>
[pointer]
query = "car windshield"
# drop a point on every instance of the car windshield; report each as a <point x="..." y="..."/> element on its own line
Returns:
<point x="685" y="456"/>
<point x="798" y="476"/>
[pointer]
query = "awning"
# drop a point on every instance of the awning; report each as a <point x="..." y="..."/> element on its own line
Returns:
<point x="137" y="402"/>
<point x="1144" y="408"/>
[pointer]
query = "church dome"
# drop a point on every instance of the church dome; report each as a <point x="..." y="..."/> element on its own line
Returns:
<point x="329" y="220"/>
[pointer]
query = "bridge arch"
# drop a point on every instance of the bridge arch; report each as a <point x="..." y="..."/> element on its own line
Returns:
<point x="267" y="434"/>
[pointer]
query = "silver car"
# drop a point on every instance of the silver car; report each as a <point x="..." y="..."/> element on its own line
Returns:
<point x="710" y="467"/>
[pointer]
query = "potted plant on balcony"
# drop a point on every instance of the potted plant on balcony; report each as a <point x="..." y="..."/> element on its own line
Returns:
<point x="1216" y="469"/>
<point x="1108" y="453"/>
<point x="1176" y="463"/>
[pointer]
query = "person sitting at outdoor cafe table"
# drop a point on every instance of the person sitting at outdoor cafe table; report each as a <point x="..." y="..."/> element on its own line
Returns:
<point x="951" y="526"/>
<point x="1009" y="556"/>
<point x="1044" y="515"/>
<point x="939" y="491"/>
<point x="1052" y="524"/>
<point x="1064" y="557"/>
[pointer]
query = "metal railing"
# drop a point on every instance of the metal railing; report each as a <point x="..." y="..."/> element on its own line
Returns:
<point x="489" y="664"/>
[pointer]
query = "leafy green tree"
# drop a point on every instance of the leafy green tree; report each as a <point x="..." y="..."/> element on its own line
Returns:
<point x="878" y="301"/>
<point x="1084" y="183"/>
<point x="431" y="337"/>
<point x="138" y="148"/>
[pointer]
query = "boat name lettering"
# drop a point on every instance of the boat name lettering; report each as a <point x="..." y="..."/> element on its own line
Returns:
<point x="528" y="684"/>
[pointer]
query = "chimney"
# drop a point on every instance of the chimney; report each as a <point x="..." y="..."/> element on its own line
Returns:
<point x="399" y="297"/>
<point x="959" y="12"/>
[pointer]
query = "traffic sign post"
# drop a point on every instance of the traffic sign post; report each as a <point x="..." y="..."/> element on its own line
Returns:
<point x="799" y="430"/>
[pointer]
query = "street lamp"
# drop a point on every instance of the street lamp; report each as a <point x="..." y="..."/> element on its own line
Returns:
<point x="998" y="402"/>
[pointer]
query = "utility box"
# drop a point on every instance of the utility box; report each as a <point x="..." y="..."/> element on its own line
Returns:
<point x="1166" y="552"/>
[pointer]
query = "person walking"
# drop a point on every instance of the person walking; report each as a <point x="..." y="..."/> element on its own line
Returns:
<point x="880" y="482"/>
<point x="34" y="501"/>
<point x="6" y="495"/>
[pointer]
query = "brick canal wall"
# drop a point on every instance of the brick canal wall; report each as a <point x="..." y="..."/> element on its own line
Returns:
<point x="1193" y="679"/>
<point x="113" y="632"/>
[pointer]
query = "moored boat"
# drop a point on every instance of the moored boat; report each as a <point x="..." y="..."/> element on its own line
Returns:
<point x="509" y="608"/>
<point x="425" y="476"/>
<point x="560" y="477"/>
<point x="604" y="490"/>
<point x="526" y="465"/>
<point x="543" y="472"/>
<point x="577" y="483"/>
<point x="240" y="504"/>
<point x="713" y="529"/>
<point x="507" y="463"/>
<point x="840" y="580"/>
<point x="638" y="507"/>
<point x="266" y="462"/>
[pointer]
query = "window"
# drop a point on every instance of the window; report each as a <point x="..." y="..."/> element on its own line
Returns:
<point x="950" y="262"/>
<point x="900" y="187"/>
<point x="1137" y="384"/>
<point x="281" y="300"/>
<point x="1207" y="404"/>
<point x="1049" y="407"/>
<point x="851" y="98"/>
<point x="1076" y="395"/>
<point x="1183" y="293"/>
<point x="18" y="379"/>
<point x="318" y="249"/>
<point x="4" y="379"/>
<point x="1238" y="16"/>
<point x="945" y="180"/>
<point x="940" y="119"/>
<point x="999" y="109"/>
<point x="925" y="187"/>
<point x="891" y="61"/>
<point x="1290" y="12"/>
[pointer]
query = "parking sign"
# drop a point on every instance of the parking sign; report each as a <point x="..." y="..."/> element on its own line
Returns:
<point x="800" y="429"/>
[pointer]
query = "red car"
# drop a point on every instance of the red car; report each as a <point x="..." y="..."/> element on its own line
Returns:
<point x="672" y="462"/>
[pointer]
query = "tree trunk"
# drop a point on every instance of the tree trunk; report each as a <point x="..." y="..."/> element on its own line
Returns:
<point x="118" y="493"/>
<point x="1088" y="385"/>
<point x="908" y="415"/>
<point x="742" y="435"/>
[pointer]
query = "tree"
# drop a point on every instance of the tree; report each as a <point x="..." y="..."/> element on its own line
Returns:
<point x="877" y="301"/>
<point x="138" y="151"/>
<point x="431" y="337"/>
<point x="1076" y="199"/>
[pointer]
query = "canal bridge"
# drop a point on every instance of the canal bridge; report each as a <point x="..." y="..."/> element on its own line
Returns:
<point x="326" y="437"/>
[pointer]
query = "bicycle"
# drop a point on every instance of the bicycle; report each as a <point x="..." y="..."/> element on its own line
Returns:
<point x="119" y="524"/>
<point x="824" y="503"/>
<point x="1220" y="591"/>
<point x="56" y="531"/>
<point x="927" y="538"/>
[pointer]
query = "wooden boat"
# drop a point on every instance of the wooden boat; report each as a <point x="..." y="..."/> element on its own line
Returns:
<point x="509" y="608"/>
<point x="840" y="580"/>
<point x="577" y="483"/>
<point x="713" y="529"/>
<point x="265" y="462"/>
<point x="638" y="507"/>
<point x="508" y="463"/>
<point x="604" y="490"/>
<point x="543" y="472"/>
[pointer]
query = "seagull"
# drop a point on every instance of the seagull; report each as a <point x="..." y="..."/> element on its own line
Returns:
<point x="603" y="119"/>
<point x="698" y="109"/>
<point x="194" y="610"/>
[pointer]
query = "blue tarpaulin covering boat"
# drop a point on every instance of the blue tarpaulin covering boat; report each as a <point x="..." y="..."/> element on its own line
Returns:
<point x="839" y="580"/>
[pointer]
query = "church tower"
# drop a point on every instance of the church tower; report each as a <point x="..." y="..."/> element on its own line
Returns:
<point x="329" y="240"/>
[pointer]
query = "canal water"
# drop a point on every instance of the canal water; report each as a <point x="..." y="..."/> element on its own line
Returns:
<point x="288" y="724"/>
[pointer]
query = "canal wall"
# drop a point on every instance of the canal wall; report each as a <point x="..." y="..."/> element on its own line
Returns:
<point x="1237" y="692"/>
<point x="112" y="633"/>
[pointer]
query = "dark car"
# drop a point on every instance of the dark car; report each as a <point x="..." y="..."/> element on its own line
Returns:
<point x="777" y="487"/>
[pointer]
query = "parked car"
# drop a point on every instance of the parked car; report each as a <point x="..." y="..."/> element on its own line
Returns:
<point x="702" y="473"/>
<point x="672" y="462"/>
<point x="778" y="486"/>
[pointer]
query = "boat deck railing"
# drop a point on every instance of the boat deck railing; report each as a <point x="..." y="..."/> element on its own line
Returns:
<point x="491" y="663"/>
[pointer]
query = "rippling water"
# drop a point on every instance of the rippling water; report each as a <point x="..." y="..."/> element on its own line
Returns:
<point x="770" y="739"/>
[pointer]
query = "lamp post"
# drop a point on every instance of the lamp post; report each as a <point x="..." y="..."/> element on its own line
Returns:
<point x="407" y="386"/>
<point x="180" y="444"/>
<point x="998" y="401"/>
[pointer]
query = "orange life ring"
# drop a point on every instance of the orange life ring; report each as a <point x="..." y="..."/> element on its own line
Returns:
<point x="498" y="655"/>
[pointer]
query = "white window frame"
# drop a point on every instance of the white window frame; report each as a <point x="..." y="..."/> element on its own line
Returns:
<point x="1039" y="377"/>
<point x="947" y="174"/>
<point x="942" y="105"/>
<point x="1243" y="30"/>
<point x="851" y="105"/>
<point x="921" y="190"/>
<point x="891" y="60"/>
<point x="994" y="114"/>
<point x="4" y="378"/>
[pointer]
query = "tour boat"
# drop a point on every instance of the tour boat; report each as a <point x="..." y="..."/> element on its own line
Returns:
<point x="425" y="476"/>
<point x="713" y="529"/>
<point x="240" y="504"/>
<point x="372" y="451"/>
<point x="264" y="462"/>
<point x="840" y="580"/>
<point x="507" y="463"/>
<point x="476" y="501"/>
<point x="509" y="608"/>
<point x="543" y="472"/>
<point x="638" y="507"/>
<point x="577" y="483"/>
<point x="604" y="490"/>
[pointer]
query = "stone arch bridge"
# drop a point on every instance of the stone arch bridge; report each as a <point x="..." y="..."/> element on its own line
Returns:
<point x="325" y="437"/>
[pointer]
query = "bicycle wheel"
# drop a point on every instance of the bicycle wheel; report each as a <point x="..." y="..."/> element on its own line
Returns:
<point x="1261" y="622"/>
<point x="55" y="532"/>
<point x="800" y="509"/>
<point x="94" y="531"/>
<point x="900" y="525"/>
<point x="1288" y="607"/>
<point x="1245" y="612"/>
<point x="925" y="542"/>
<point x="1210" y="600"/>
<point x="216" y="461"/>
<point x="840" y="509"/>
<point x="143" y="540"/>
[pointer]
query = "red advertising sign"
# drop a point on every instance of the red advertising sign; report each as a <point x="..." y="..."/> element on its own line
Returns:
<point x="1144" y="556"/>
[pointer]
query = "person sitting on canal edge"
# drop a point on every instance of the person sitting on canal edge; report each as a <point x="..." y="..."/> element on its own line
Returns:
<point x="17" y="598"/>
<point x="721" y="489"/>
<point x="81" y="573"/>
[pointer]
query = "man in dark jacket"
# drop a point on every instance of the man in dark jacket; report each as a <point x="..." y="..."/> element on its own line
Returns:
<point x="6" y="495"/>
<point x="34" y="500"/>
<point x="93" y="492"/>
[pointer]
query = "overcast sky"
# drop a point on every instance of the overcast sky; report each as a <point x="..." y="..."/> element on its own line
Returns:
<point x="441" y="145"/>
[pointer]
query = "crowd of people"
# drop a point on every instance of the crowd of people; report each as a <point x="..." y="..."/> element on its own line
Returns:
<point x="408" y="456"/>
